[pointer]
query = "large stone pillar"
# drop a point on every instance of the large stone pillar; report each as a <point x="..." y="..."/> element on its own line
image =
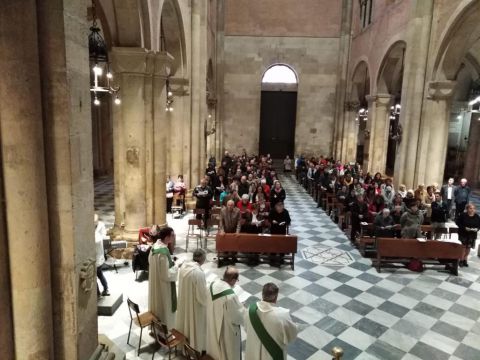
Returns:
<point x="418" y="40"/>
<point x="133" y="68"/>
<point x="6" y="334"/>
<point x="198" y="89"/>
<point x="140" y="128"/>
<point x="471" y="170"/>
<point x="68" y="153"/>
<point x="22" y="146"/>
<point x="433" y="141"/>
<point x="379" y="135"/>
<point x="342" y="118"/>
<point x="350" y="136"/>
<point x="161" y="119"/>
<point x="368" y="149"/>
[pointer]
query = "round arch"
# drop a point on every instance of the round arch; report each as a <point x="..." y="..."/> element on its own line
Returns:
<point x="390" y="74"/>
<point x="280" y="73"/>
<point x="172" y="35"/>
<point x="360" y="84"/>
<point x="460" y="35"/>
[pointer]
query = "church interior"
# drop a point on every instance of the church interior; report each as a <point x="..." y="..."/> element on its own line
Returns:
<point x="325" y="152"/>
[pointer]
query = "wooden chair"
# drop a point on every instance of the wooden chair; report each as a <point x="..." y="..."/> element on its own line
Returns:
<point x="141" y="319"/>
<point x="195" y="231"/>
<point x="193" y="354"/>
<point x="168" y="339"/>
<point x="215" y="212"/>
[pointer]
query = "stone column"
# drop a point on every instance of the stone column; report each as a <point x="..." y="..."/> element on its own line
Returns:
<point x="199" y="83"/>
<point x="471" y="170"/>
<point x="433" y="142"/>
<point x="350" y="136"/>
<point x="68" y="154"/>
<point x="161" y="119"/>
<point x="6" y="333"/>
<point x="379" y="137"/>
<point x="368" y="149"/>
<point x="418" y="40"/>
<point x="23" y="162"/>
<point x="341" y="116"/>
<point x="132" y="67"/>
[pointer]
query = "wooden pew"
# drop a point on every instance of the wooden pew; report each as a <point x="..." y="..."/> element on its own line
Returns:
<point x="241" y="245"/>
<point x="392" y="250"/>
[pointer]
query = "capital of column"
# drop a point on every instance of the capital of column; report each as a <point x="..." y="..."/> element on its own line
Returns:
<point x="132" y="60"/>
<point x="179" y="86"/>
<point x="380" y="99"/>
<point x="441" y="90"/>
<point x="163" y="64"/>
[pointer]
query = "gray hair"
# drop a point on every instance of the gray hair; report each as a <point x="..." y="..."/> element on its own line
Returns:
<point x="199" y="256"/>
<point x="270" y="292"/>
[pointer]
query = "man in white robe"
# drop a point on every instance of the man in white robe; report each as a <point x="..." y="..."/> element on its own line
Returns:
<point x="192" y="301"/>
<point x="162" y="276"/>
<point x="269" y="328"/>
<point x="224" y="317"/>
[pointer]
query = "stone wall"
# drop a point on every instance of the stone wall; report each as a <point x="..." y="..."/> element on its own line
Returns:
<point x="315" y="62"/>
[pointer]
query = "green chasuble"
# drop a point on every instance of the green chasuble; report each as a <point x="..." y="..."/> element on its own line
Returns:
<point x="173" y="288"/>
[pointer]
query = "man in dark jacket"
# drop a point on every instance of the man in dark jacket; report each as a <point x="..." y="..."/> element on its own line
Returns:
<point x="359" y="211"/>
<point x="462" y="197"/>
<point x="204" y="195"/>
<point x="439" y="215"/>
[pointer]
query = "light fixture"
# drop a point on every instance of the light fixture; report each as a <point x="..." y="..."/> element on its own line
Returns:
<point x="169" y="101"/>
<point x="98" y="55"/>
<point x="474" y="101"/>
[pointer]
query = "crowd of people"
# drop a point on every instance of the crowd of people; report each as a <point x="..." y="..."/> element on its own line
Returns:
<point x="393" y="212"/>
<point x="249" y="192"/>
<point x="211" y="316"/>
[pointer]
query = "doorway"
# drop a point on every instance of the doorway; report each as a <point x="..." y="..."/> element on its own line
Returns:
<point x="278" y="111"/>
<point x="277" y="123"/>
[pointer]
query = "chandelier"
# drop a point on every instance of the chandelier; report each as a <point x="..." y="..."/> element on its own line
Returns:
<point x="98" y="55"/>
<point x="362" y="114"/>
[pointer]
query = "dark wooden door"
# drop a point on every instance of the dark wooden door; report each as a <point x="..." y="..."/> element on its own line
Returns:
<point x="278" y="112"/>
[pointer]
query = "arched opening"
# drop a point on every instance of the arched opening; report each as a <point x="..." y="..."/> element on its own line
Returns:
<point x="278" y="111"/>
<point x="458" y="60"/>
<point x="359" y="105"/>
<point x="390" y="81"/>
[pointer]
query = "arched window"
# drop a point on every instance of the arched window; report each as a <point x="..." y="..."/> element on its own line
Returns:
<point x="280" y="74"/>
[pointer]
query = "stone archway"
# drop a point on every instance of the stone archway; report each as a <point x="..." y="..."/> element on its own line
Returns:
<point x="386" y="130"/>
<point x="356" y="141"/>
<point x="457" y="50"/>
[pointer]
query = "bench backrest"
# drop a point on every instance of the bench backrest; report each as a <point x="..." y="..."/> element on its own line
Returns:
<point x="412" y="248"/>
<point x="256" y="243"/>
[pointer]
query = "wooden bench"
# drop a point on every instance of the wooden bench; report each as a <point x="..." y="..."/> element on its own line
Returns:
<point x="239" y="246"/>
<point x="392" y="250"/>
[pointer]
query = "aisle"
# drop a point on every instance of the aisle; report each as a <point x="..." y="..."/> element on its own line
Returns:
<point x="392" y="315"/>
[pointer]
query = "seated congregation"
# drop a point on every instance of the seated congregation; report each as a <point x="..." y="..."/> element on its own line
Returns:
<point x="437" y="224"/>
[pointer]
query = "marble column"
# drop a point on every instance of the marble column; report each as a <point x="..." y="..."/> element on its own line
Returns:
<point x="133" y="68"/>
<point x="379" y="136"/>
<point x="471" y="170"/>
<point x="433" y="142"/>
<point x="418" y="40"/>
<point x="23" y="161"/>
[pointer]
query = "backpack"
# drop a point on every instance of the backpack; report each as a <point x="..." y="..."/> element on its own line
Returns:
<point x="415" y="265"/>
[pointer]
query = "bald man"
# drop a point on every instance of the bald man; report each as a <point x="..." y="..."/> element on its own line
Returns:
<point x="224" y="317"/>
<point x="230" y="217"/>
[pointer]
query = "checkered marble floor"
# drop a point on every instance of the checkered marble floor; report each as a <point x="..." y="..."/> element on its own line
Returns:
<point x="395" y="314"/>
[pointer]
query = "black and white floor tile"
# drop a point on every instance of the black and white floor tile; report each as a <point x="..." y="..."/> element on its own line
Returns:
<point x="335" y="295"/>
